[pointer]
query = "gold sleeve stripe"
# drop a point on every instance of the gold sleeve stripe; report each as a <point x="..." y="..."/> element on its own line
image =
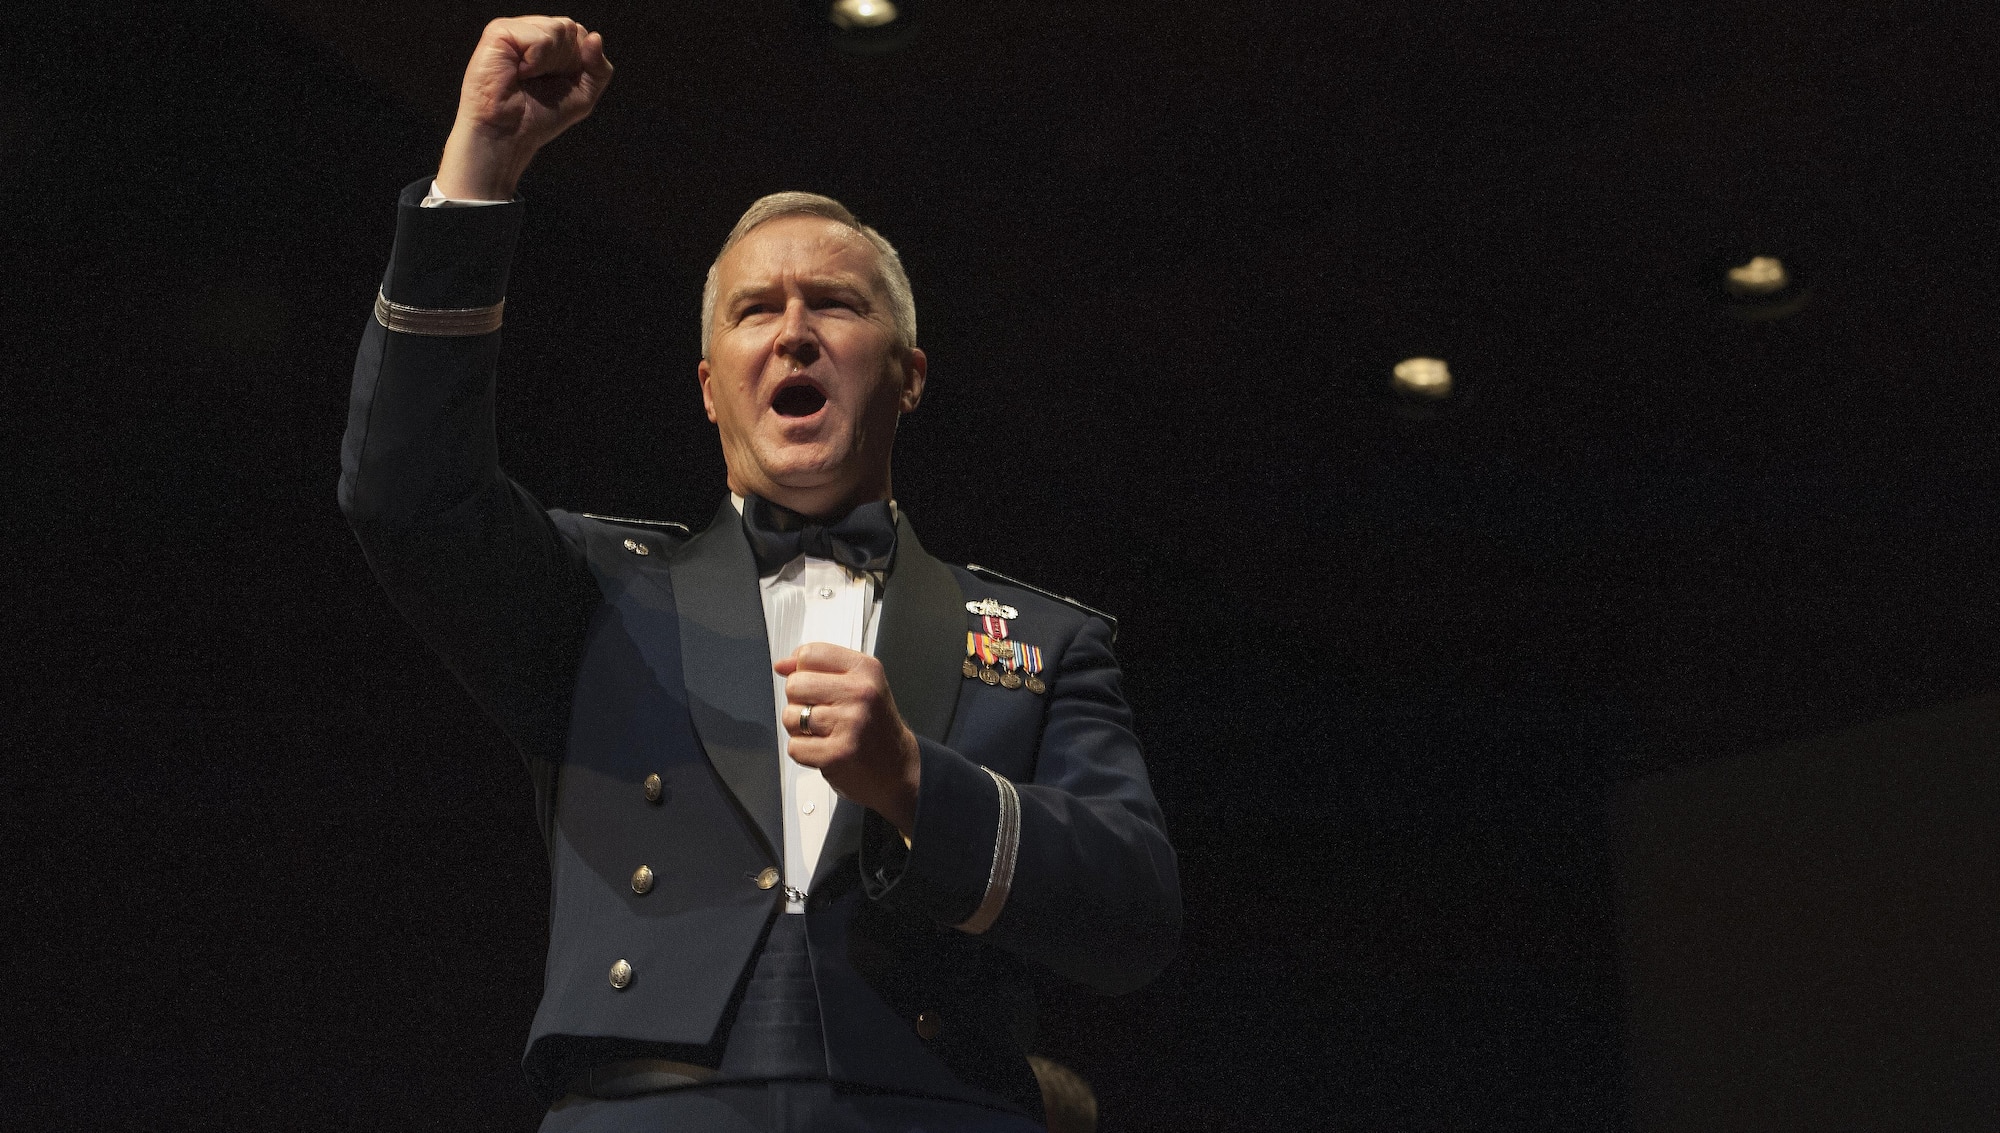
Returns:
<point x="441" y="322"/>
<point x="1006" y="849"/>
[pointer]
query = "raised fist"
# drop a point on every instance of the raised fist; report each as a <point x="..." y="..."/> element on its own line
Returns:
<point x="530" y="78"/>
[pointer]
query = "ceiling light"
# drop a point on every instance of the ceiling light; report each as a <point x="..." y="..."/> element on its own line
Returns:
<point x="1427" y="378"/>
<point x="1755" y="287"/>
<point x="1759" y="276"/>
<point x="854" y="15"/>
<point x="864" y="27"/>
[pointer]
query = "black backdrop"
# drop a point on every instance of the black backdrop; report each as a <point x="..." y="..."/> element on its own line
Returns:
<point x="271" y="869"/>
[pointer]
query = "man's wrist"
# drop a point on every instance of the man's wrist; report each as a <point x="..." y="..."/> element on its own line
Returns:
<point x="905" y="818"/>
<point x="476" y="168"/>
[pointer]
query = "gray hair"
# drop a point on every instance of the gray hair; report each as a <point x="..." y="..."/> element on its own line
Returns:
<point x="902" y="305"/>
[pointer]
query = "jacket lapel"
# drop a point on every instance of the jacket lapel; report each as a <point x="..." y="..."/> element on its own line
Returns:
<point x="726" y="663"/>
<point x="920" y="644"/>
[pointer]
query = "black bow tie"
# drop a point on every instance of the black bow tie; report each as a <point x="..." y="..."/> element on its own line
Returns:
<point x="865" y="540"/>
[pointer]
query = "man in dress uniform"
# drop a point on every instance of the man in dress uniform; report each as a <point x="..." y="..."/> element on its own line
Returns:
<point x="819" y="808"/>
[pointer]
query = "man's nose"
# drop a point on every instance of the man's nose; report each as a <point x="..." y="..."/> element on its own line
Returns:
<point x="795" y="335"/>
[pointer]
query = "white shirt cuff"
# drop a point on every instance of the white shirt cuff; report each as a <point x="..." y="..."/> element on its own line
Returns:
<point x="437" y="199"/>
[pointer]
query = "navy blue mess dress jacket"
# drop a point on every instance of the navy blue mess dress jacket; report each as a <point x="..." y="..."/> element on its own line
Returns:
<point x="611" y="651"/>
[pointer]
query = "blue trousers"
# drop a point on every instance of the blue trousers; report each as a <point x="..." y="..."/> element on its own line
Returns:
<point x="778" y="1107"/>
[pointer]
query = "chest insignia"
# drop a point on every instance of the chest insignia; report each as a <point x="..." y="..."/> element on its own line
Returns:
<point x="996" y="659"/>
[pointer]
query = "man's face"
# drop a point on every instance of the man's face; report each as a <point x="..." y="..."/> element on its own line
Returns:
<point x="802" y="377"/>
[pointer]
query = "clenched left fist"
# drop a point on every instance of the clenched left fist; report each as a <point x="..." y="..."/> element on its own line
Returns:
<point x="856" y="738"/>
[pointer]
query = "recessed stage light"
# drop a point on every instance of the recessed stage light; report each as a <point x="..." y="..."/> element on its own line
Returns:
<point x="1756" y="287"/>
<point x="853" y="15"/>
<point x="864" y="27"/>
<point x="1427" y="378"/>
<point x="1758" y="276"/>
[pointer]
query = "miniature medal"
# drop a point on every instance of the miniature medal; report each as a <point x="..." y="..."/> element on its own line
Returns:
<point x="996" y="628"/>
<point x="1004" y="652"/>
<point x="988" y="674"/>
<point x="1031" y="660"/>
<point x="971" y="650"/>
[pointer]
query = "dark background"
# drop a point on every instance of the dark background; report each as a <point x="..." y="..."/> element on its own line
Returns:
<point x="273" y="870"/>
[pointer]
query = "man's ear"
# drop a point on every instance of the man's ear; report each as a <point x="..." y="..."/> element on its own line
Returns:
<point x="914" y="368"/>
<point x="707" y="401"/>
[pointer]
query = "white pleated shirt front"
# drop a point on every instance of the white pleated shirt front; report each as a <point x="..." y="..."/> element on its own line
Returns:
<point x="810" y="599"/>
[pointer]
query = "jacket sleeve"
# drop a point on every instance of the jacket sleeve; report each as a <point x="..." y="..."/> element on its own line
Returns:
<point x="466" y="555"/>
<point x="1089" y="884"/>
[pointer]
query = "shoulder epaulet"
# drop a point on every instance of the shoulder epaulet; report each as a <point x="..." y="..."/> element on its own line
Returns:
<point x="680" y="527"/>
<point x="1063" y="598"/>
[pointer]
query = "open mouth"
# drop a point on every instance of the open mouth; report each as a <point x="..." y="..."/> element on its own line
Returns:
<point x="801" y="400"/>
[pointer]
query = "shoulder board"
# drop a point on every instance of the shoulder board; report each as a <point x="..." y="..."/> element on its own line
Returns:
<point x="1063" y="598"/>
<point x="680" y="527"/>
